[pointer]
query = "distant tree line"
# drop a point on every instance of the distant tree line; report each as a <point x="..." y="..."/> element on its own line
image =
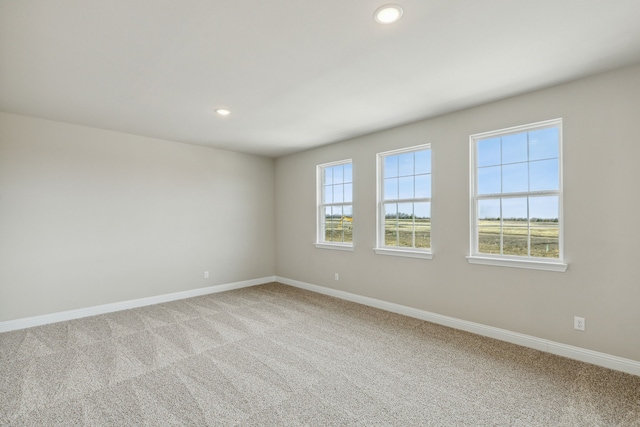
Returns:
<point x="401" y="215"/>
<point x="522" y="219"/>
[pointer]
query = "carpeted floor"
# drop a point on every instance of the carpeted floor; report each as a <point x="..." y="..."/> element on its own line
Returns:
<point x="276" y="355"/>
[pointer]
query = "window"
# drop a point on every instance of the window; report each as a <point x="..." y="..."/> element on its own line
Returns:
<point x="516" y="188"/>
<point x="335" y="205"/>
<point x="404" y="202"/>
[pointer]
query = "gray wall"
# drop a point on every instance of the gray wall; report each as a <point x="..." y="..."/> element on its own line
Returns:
<point x="90" y="217"/>
<point x="602" y="226"/>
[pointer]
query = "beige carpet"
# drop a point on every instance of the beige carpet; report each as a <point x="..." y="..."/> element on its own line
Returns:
<point x="276" y="355"/>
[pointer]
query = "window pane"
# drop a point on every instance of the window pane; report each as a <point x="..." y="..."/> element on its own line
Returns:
<point x="348" y="172"/>
<point x="515" y="178"/>
<point x="514" y="209"/>
<point x="488" y="152"/>
<point x="348" y="193"/>
<point x="405" y="225"/>
<point x="338" y="174"/>
<point x="489" y="226"/>
<point x="423" y="185"/>
<point x="337" y="213"/>
<point x="545" y="228"/>
<point x="544" y="175"/>
<point x="544" y="208"/>
<point x="390" y="188"/>
<point x="406" y="187"/>
<point x="405" y="164"/>
<point x="423" y="161"/>
<point x="391" y="224"/>
<point x="514" y="148"/>
<point x="336" y="229"/>
<point x="327" y="196"/>
<point x="390" y="166"/>
<point x="347" y="224"/>
<point x="422" y="212"/>
<point x="347" y="211"/>
<point x="489" y="237"/>
<point x="328" y="226"/>
<point x="489" y="180"/>
<point x="543" y="144"/>
<point x="515" y="227"/>
<point x="489" y="209"/>
<point x="338" y="193"/>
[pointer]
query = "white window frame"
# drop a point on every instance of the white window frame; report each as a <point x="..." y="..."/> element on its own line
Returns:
<point x="529" y="262"/>
<point x="380" y="248"/>
<point x="320" y="205"/>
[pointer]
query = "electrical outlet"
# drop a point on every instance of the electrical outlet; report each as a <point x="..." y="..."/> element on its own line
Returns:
<point x="578" y="323"/>
<point x="206" y="274"/>
<point x="337" y="277"/>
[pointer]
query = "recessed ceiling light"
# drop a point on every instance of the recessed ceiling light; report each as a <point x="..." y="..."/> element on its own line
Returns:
<point x="223" y="111"/>
<point x="388" y="14"/>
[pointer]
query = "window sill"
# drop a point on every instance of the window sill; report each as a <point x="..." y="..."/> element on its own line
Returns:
<point x="404" y="253"/>
<point x="557" y="266"/>
<point x="334" y="246"/>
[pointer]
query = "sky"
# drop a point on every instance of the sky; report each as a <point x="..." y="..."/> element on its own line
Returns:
<point x="408" y="176"/>
<point x="522" y="162"/>
<point x="338" y="184"/>
<point x="517" y="163"/>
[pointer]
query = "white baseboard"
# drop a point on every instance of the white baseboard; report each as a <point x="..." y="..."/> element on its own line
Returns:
<point x="29" y="322"/>
<point x="571" y="352"/>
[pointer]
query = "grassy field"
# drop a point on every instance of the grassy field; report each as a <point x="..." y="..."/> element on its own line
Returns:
<point x="544" y="238"/>
<point x="400" y="233"/>
<point x="397" y="232"/>
<point x="337" y="230"/>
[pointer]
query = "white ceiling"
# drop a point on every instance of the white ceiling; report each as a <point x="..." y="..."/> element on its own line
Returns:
<point x="295" y="73"/>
